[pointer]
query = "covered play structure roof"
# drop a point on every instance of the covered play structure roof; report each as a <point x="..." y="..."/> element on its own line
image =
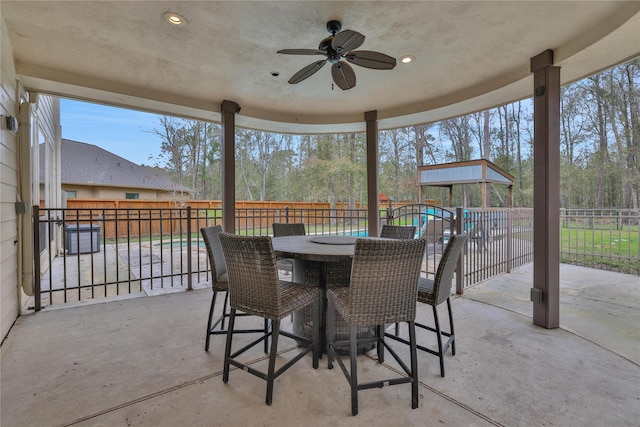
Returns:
<point x="468" y="172"/>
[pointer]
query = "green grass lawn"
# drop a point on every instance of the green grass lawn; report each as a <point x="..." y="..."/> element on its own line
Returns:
<point x="601" y="248"/>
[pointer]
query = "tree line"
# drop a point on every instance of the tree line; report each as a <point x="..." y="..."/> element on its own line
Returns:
<point x="599" y="149"/>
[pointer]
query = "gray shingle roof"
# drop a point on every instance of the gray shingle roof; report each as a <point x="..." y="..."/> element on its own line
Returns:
<point x="87" y="164"/>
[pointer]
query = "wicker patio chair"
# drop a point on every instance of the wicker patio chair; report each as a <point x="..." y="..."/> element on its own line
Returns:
<point x="219" y="283"/>
<point x="435" y="292"/>
<point x="254" y="288"/>
<point x="286" y="229"/>
<point x="384" y="274"/>
<point x="283" y="230"/>
<point x="398" y="231"/>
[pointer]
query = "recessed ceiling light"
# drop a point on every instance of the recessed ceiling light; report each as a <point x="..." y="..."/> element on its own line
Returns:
<point x="174" y="18"/>
<point x="407" y="59"/>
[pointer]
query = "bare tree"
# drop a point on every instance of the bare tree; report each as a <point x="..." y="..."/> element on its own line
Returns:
<point x="623" y="109"/>
<point x="458" y="132"/>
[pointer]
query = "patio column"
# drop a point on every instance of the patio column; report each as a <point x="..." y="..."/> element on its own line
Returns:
<point x="371" y="117"/>
<point x="545" y="294"/>
<point x="228" y="110"/>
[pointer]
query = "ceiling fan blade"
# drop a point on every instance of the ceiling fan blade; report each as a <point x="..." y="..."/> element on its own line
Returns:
<point x="307" y="71"/>
<point x="371" y="59"/>
<point x="343" y="75"/>
<point x="302" y="52"/>
<point x="347" y="40"/>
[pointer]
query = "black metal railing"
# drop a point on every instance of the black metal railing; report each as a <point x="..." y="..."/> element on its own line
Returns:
<point x="96" y="253"/>
<point x="257" y="221"/>
<point x="433" y="223"/>
<point x="607" y="239"/>
<point x="499" y="239"/>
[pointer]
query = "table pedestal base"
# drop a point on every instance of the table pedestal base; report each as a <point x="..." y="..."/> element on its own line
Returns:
<point x="326" y="274"/>
<point x="302" y="325"/>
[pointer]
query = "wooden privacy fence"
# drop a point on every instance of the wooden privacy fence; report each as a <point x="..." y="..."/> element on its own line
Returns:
<point x="120" y="219"/>
<point x="125" y="223"/>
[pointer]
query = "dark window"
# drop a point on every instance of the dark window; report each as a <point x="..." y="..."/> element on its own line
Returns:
<point x="132" y="195"/>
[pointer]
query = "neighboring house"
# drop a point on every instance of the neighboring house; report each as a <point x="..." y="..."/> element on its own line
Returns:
<point x="90" y="172"/>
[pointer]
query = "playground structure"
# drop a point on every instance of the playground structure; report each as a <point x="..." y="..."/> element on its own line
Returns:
<point x="447" y="175"/>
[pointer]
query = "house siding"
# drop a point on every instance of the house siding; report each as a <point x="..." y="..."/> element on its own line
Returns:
<point x="45" y="123"/>
<point x="91" y="192"/>
<point x="9" y="291"/>
<point x="43" y="126"/>
<point x="92" y="172"/>
<point x="46" y="120"/>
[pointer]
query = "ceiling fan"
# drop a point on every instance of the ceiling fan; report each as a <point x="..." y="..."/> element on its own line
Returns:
<point x="340" y="45"/>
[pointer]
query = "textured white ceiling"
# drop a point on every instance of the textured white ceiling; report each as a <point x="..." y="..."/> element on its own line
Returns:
<point x="469" y="55"/>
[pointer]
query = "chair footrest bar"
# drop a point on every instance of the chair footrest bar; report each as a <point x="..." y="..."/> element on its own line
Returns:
<point x="419" y="347"/>
<point x="263" y="375"/>
<point x="217" y="322"/>
<point x="400" y="362"/>
<point x="293" y="360"/>
<point x="305" y="340"/>
<point x="224" y="331"/>
<point x="429" y="328"/>
<point x="385" y="383"/>
<point x="248" y="368"/>
<point x="250" y="345"/>
<point x="374" y="384"/>
<point x="338" y="359"/>
<point x="237" y="331"/>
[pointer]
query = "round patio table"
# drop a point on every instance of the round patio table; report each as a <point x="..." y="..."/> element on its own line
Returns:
<point x="321" y="260"/>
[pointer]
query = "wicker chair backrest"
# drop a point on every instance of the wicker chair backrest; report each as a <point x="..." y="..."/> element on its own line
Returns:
<point x="285" y="229"/>
<point x="253" y="274"/>
<point x="398" y="231"/>
<point x="447" y="266"/>
<point x="211" y="238"/>
<point x="384" y="281"/>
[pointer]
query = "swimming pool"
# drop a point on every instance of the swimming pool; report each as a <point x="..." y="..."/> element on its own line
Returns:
<point x="356" y="233"/>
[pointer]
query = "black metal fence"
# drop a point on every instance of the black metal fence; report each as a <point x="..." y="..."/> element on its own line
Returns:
<point x="257" y="221"/>
<point x="499" y="239"/>
<point x="607" y="239"/>
<point x="84" y="254"/>
<point x="97" y="253"/>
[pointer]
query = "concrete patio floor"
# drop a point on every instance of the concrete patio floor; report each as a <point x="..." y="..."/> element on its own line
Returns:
<point x="141" y="362"/>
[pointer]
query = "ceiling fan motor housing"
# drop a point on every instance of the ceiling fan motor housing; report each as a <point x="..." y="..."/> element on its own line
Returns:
<point x="325" y="44"/>
<point x="334" y="27"/>
<point x="341" y="45"/>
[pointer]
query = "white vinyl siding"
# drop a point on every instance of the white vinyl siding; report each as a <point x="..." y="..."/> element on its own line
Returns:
<point x="45" y="119"/>
<point x="9" y="299"/>
<point x="45" y="125"/>
<point x="46" y="128"/>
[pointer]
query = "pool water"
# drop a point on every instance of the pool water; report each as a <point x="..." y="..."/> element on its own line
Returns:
<point x="356" y="233"/>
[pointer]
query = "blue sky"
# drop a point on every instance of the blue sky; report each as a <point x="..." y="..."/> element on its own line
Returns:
<point x="127" y="133"/>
